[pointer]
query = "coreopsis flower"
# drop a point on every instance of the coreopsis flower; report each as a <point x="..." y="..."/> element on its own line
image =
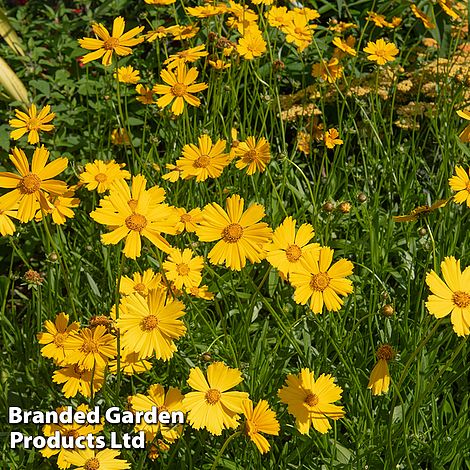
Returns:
<point x="299" y="31"/>
<point x="243" y="17"/>
<point x="170" y="401"/>
<point x="212" y="405"/>
<point x="422" y="16"/>
<point x="149" y="326"/>
<point x="179" y="89"/>
<point x="446" y="5"/>
<point x="461" y="183"/>
<point x="189" y="55"/>
<point x="201" y="292"/>
<point x="128" y="75"/>
<point x="160" y="2"/>
<point x="379" y="381"/>
<point x="183" y="269"/>
<point x="288" y="248"/>
<point x="261" y="419"/>
<point x="8" y="209"/>
<point x="118" y="42"/>
<point x="174" y="174"/>
<point x="331" y="138"/>
<point x="451" y="295"/>
<point x="55" y="336"/>
<point x="77" y="379"/>
<point x="87" y="459"/>
<point x="420" y="212"/>
<point x="465" y="134"/>
<point x="33" y="186"/>
<point x="309" y="13"/>
<point x="206" y="160"/>
<point x="277" y="17"/>
<point x="140" y="283"/>
<point x="130" y="363"/>
<point x="310" y="401"/>
<point x="205" y="11"/>
<point x="31" y="122"/>
<point x="219" y="64"/>
<point x="251" y="44"/>
<point x="340" y="27"/>
<point x="379" y="20"/>
<point x="158" y="33"/>
<point x="60" y="207"/>
<point x="188" y="219"/>
<point x="253" y="155"/>
<point x="329" y="71"/>
<point x="90" y="348"/>
<point x="381" y="51"/>
<point x="145" y="94"/>
<point x="100" y="175"/>
<point x="120" y="137"/>
<point x="315" y="280"/>
<point x="263" y="2"/>
<point x="239" y="233"/>
<point x="183" y="32"/>
<point x="345" y="46"/>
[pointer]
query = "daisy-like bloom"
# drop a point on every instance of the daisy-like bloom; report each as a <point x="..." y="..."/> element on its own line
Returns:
<point x="101" y="175"/>
<point x="212" y="406"/>
<point x="8" y="209"/>
<point x="261" y="419"/>
<point x="309" y="13"/>
<point x="170" y="401"/>
<point x="160" y="2"/>
<point x="310" y="401"/>
<point x="201" y="292"/>
<point x="145" y="94"/>
<point x="379" y="20"/>
<point x="188" y="220"/>
<point x="179" y="89"/>
<point x="219" y="64"/>
<point x="243" y="17"/>
<point x="422" y="16"/>
<point x="239" y="232"/>
<point x="329" y="71"/>
<point x="379" y="381"/>
<point x="461" y="183"/>
<point x="118" y="42"/>
<point x="299" y="31"/>
<point x="316" y="280"/>
<point x="54" y="337"/>
<point x="89" y="348"/>
<point x="158" y="33"/>
<point x="288" y="248"/>
<point x="130" y="364"/>
<point x="174" y="174"/>
<point x="277" y="17"/>
<point x="150" y="325"/>
<point x="183" y="32"/>
<point x="465" y="134"/>
<point x="340" y="27"/>
<point x="252" y="44"/>
<point x="204" y="161"/>
<point x="140" y="283"/>
<point x="252" y="154"/>
<point x="263" y="2"/>
<point x="77" y="379"/>
<point x="381" y="51"/>
<point x="345" y="46"/>
<point x="205" y="11"/>
<point x="189" y="55"/>
<point x="420" y="212"/>
<point x="32" y="186"/>
<point x="182" y="269"/>
<point x="128" y="75"/>
<point x="31" y="122"/>
<point x="60" y="208"/>
<point x="88" y="459"/>
<point x="446" y="5"/>
<point x="331" y="138"/>
<point x="451" y="295"/>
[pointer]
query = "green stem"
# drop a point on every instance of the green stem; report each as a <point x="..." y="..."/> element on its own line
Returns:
<point x="222" y="450"/>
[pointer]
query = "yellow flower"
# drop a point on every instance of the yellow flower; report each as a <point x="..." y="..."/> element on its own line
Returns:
<point x="422" y="16"/>
<point x="118" y="42"/>
<point x="310" y="401"/>
<point x="240" y="233"/>
<point x="451" y="295"/>
<point x="54" y="337"/>
<point x="288" y="248"/>
<point x="446" y="5"/>
<point x="60" y="207"/>
<point x="150" y="325"/>
<point x="174" y="174"/>
<point x="207" y="160"/>
<point x="345" y="46"/>
<point x="308" y="13"/>
<point x="381" y="51"/>
<point x="8" y="209"/>
<point x="461" y="184"/>
<point x="465" y="134"/>
<point x="189" y="55"/>
<point x="160" y="2"/>
<point x="320" y="282"/>
<point x="179" y="88"/>
<point x="277" y="17"/>
<point x="251" y="44"/>
<point x="88" y="459"/>
<point x="188" y="220"/>
<point x="130" y="364"/>
<point x="201" y="292"/>
<point x="379" y="380"/>
<point x="420" y="212"/>
<point x="31" y="122"/>
<point x="128" y="75"/>
<point x="140" y="283"/>
<point x="258" y="420"/>
<point x="183" y="32"/>
<point x="205" y="11"/>
<point x="101" y="175"/>
<point x="170" y="402"/>
<point x="77" y="379"/>
<point x="252" y="154"/>
<point x="328" y="71"/>
<point x="33" y="185"/>
<point x="120" y="137"/>
<point x="331" y="138"/>
<point x="219" y="64"/>
<point x="158" y="33"/>
<point x="145" y="94"/>
<point x="299" y="31"/>
<point x="212" y="406"/>
<point x="182" y="269"/>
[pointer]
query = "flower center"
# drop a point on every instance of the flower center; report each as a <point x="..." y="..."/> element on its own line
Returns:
<point x="250" y="427"/>
<point x="90" y="346"/>
<point x="33" y="124"/>
<point x="79" y="370"/>
<point x="140" y="288"/>
<point x="92" y="464"/>
<point x="182" y="269"/>
<point x="149" y="323"/>
<point x="212" y="396"/>
<point x="101" y="177"/>
<point x="194" y="290"/>
<point x="136" y="222"/>
<point x="179" y="89"/>
<point x="202" y="162"/>
<point x="320" y="281"/>
<point x="72" y="433"/>
<point x="59" y="339"/>
<point x="29" y="184"/>
<point x="250" y="156"/>
<point x="385" y="352"/>
<point x="110" y="44"/>
<point x="132" y="204"/>
<point x="468" y="187"/>
<point x="185" y="218"/>
<point x="293" y="253"/>
<point x="311" y="399"/>
<point x="461" y="299"/>
<point x="232" y="233"/>
<point x="298" y="31"/>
